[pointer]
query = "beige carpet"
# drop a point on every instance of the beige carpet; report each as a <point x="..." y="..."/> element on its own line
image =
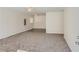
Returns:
<point x="34" y="41"/>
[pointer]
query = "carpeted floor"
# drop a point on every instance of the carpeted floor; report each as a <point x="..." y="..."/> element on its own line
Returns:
<point x="34" y="41"/>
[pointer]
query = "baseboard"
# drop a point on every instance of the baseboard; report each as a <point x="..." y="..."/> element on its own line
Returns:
<point x="39" y="30"/>
<point x="54" y="33"/>
<point x="13" y="34"/>
<point x="67" y="44"/>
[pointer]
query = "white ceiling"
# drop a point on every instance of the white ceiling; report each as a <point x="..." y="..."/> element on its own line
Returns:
<point x="38" y="10"/>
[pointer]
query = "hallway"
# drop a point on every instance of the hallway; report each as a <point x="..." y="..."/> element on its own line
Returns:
<point x="34" y="41"/>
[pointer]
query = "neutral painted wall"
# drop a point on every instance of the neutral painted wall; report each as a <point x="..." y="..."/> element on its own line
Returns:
<point x="71" y="27"/>
<point x="12" y="22"/>
<point x="54" y="22"/>
<point x="39" y="22"/>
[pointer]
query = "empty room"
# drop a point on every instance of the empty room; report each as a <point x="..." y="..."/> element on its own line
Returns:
<point x="39" y="29"/>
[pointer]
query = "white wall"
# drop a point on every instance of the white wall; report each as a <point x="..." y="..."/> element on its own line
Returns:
<point x="71" y="27"/>
<point x="11" y="22"/>
<point x="39" y="22"/>
<point x="54" y="22"/>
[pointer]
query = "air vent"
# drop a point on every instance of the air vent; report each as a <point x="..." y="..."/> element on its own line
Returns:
<point x="77" y="43"/>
